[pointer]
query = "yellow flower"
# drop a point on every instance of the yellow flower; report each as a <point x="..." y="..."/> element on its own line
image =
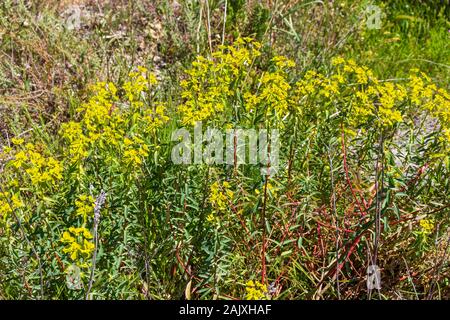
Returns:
<point x="17" y="203"/>
<point x="17" y="141"/>
<point x="255" y="290"/>
<point x="209" y="83"/>
<point x="155" y="118"/>
<point x="211" y="218"/>
<point x="88" y="247"/>
<point x="67" y="237"/>
<point x="139" y="83"/>
<point x="73" y="249"/>
<point x="283" y="62"/>
<point x="40" y="169"/>
<point x="135" y="151"/>
<point x="427" y="226"/>
<point x="72" y="132"/>
<point x="8" y="203"/>
<point x="274" y="93"/>
<point x="270" y="189"/>
<point x="6" y="150"/>
<point x="19" y="159"/>
<point x="220" y="196"/>
<point x="85" y="207"/>
<point x="337" y="61"/>
<point x="77" y="245"/>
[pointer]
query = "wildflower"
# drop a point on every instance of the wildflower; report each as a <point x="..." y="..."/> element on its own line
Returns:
<point x="270" y="189"/>
<point x="427" y="226"/>
<point x="255" y="290"/>
<point x="211" y="218"/>
<point x="283" y="62"/>
<point x="155" y="118"/>
<point x="19" y="159"/>
<point x="337" y="61"/>
<point x="5" y="150"/>
<point x="85" y="207"/>
<point x="220" y="196"/>
<point x="9" y="202"/>
<point x="16" y="202"/>
<point x="5" y="208"/>
<point x="139" y="83"/>
<point x="77" y="243"/>
<point x="98" y="204"/>
<point x="210" y="80"/>
<point x="251" y="101"/>
<point x="135" y="151"/>
<point x="17" y="141"/>
<point x="44" y="170"/>
<point x="274" y="93"/>
<point x="40" y="169"/>
<point x="72" y="132"/>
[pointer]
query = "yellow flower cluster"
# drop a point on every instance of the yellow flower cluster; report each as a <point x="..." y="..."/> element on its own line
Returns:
<point x="274" y="92"/>
<point x="135" y="150"/>
<point x="426" y="226"/>
<point x="428" y="97"/>
<point x="378" y="102"/>
<point x="112" y="126"/>
<point x="85" y="207"/>
<point x="78" y="244"/>
<point x="370" y="99"/>
<point x="255" y="290"/>
<point x="362" y="73"/>
<point x="215" y="84"/>
<point x="106" y="120"/>
<point x="38" y="167"/>
<point x="155" y="118"/>
<point x="316" y="85"/>
<point x="138" y="86"/>
<point x="17" y="141"/>
<point x="72" y="132"/>
<point x="219" y="198"/>
<point x="9" y="202"/>
<point x="208" y="82"/>
<point x="270" y="189"/>
<point x="364" y="99"/>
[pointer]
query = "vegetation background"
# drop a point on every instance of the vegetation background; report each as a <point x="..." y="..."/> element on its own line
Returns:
<point x="82" y="217"/>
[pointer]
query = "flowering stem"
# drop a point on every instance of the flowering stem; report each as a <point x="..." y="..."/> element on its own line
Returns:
<point x="94" y="258"/>
<point x="98" y="206"/>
